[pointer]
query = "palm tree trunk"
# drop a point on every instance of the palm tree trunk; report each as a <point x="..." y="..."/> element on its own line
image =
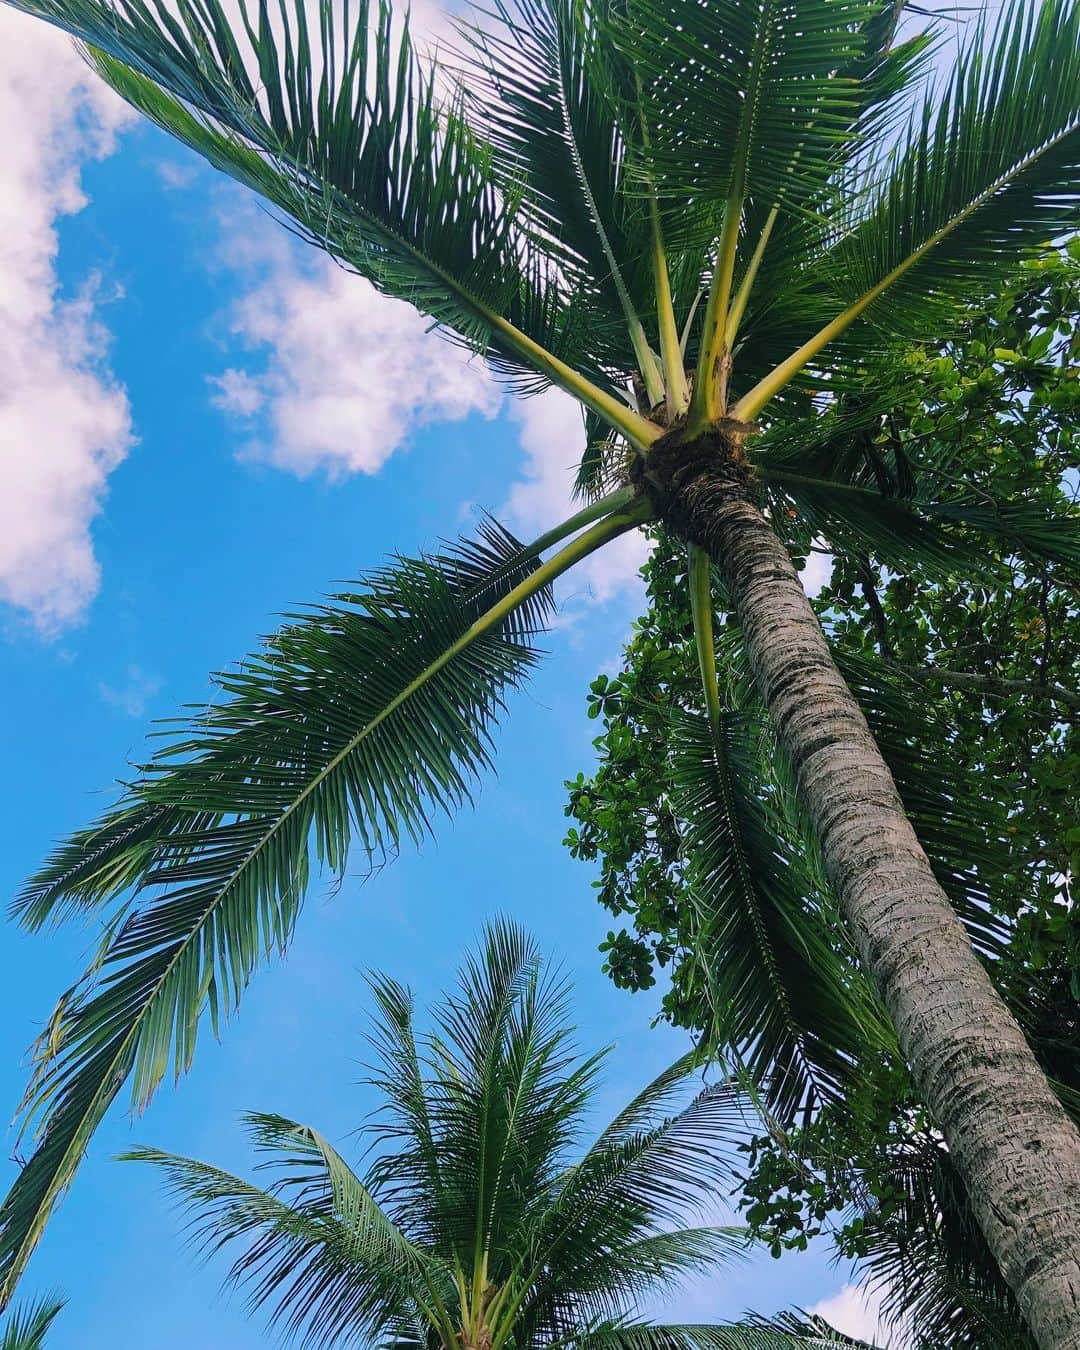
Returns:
<point x="1016" y="1149"/>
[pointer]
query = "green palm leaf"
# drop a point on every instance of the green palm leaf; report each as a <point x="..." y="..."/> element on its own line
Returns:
<point x="885" y="501"/>
<point x="325" y="1272"/>
<point x="27" y="1326"/>
<point x="646" y="1171"/>
<point x="470" y="1224"/>
<point x="780" y="992"/>
<point x="543" y="83"/>
<point x="744" y="98"/>
<point x="926" y="1252"/>
<point x="990" y="168"/>
<point x="987" y="171"/>
<point x="353" y="723"/>
<point x="754" y="1334"/>
<point x="941" y="800"/>
<point x="342" y="129"/>
<point x="918" y="535"/>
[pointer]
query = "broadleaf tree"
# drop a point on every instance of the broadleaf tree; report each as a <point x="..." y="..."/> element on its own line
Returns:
<point x="765" y="200"/>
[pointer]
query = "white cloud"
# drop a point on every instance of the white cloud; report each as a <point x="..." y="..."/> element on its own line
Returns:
<point x="64" y="423"/>
<point x="552" y="436"/>
<point x="857" y="1312"/>
<point x="134" y="694"/>
<point x="177" y="175"/>
<point x="347" y="374"/>
<point x="238" y="393"/>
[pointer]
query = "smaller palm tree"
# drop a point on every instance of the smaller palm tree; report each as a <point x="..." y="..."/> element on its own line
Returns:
<point x="26" y="1325"/>
<point x="471" y="1229"/>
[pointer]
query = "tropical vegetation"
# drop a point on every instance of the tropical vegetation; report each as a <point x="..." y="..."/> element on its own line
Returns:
<point x="710" y="224"/>
<point x="474" y="1226"/>
<point x="26" y="1325"/>
<point x="979" y="674"/>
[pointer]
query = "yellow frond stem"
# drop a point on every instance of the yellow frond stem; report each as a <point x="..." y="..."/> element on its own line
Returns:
<point x="638" y="430"/>
<point x="742" y="296"/>
<point x="752" y="402"/>
<point x="707" y="404"/>
<point x="677" y="388"/>
<point x="701" y="608"/>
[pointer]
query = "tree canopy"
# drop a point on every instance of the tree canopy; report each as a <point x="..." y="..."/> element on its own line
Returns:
<point x="970" y="684"/>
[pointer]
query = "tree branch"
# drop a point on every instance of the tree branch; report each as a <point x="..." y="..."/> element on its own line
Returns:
<point x="994" y="686"/>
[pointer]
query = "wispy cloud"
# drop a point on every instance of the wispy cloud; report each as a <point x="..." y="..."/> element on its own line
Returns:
<point x="329" y="375"/>
<point x="856" y="1311"/>
<point x="133" y="694"/>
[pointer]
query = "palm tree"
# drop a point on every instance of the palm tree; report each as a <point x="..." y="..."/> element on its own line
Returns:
<point x="26" y="1326"/>
<point x="705" y="222"/>
<point x="471" y="1228"/>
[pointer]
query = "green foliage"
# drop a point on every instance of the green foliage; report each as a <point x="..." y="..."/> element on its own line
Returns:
<point x="473" y="1222"/>
<point x="559" y="197"/>
<point x="26" y="1326"/>
<point x="354" y="722"/>
<point x="966" y="680"/>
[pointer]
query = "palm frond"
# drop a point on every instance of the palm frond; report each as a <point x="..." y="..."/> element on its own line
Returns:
<point x="630" y="1274"/>
<point x="504" y="1093"/>
<point x="886" y="505"/>
<point x="641" y="1177"/>
<point x="987" y="170"/>
<point x="783" y="1333"/>
<point x="353" y="723"/>
<point x="744" y="98"/>
<point x="334" y="120"/>
<point x="326" y="1273"/>
<point x="925" y="1250"/>
<point x="27" y="1324"/>
<point x="769" y="962"/>
<point x="543" y="82"/>
<point x="652" y="1107"/>
<point x="990" y="167"/>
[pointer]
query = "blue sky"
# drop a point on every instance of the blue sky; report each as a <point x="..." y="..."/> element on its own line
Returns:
<point x="203" y="427"/>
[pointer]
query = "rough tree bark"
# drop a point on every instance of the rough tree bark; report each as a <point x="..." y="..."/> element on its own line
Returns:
<point x="1016" y="1149"/>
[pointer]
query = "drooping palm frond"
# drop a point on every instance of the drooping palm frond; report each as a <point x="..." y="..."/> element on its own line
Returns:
<point x="810" y="1326"/>
<point x="987" y="171"/>
<point x="927" y="1254"/>
<point x="325" y="1274"/>
<point x="769" y="955"/>
<point x="886" y="503"/>
<point x="942" y="798"/>
<point x="644" y="1175"/>
<point x="781" y="1333"/>
<point x="352" y="725"/>
<point x="543" y="82"/>
<point x="920" y="535"/>
<point x="27" y="1325"/>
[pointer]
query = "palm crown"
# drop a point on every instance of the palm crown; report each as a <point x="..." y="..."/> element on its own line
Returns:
<point x="473" y="1226"/>
<point x="692" y="218"/>
<point x="26" y="1327"/>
